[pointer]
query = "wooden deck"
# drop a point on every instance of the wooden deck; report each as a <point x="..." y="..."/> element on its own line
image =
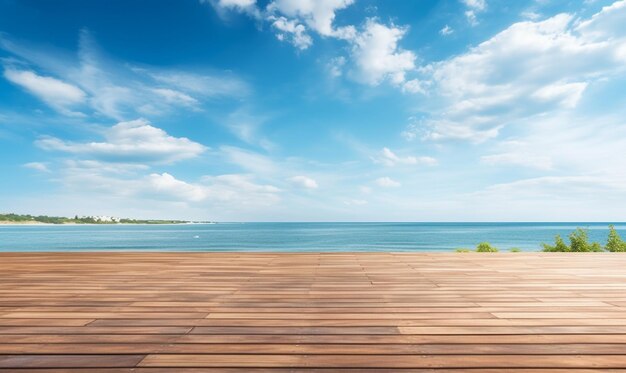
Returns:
<point x="204" y="312"/>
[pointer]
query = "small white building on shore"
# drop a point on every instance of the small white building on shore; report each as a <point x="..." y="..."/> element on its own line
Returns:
<point x="106" y="219"/>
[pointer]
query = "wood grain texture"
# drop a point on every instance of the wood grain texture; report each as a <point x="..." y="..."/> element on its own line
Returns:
<point x="266" y="312"/>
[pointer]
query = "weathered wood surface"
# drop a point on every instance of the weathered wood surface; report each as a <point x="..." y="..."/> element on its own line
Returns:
<point x="234" y="312"/>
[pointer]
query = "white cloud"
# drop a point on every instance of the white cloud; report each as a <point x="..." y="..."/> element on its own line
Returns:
<point x="242" y="190"/>
<point x="584" y="197"/>
<point x="131" y="141"/>
<point x="294" y="18"/>
<point x="233" y="188"/>
<point x="475" y="4"/>
<point x="209" y="85"/>
<point x="389" y="158"/>
<point x="444" y="129"/>
<point x="128" y="182"/>
<point x="411" y="131"/>
<point x="414" y="86"/>
<point x="473" y="8"/>
<point x="246" y="127"/>
<point x="242" y="182"/>
<point x="387" y="182"/>
<point x="38" y="166"/>
<point x="471" y="17"/>
<point x="606" y="24"/>
<point x="166" y="183"/>
<point x="243" y="6"/>
<point x="56" y="93"/>
<point x="564" y="94"/>
<point x="336" y="65"/>
<point x="446" y="30"/>
<point x="104" y="167"/>
<point x="529" y="69"/>
<point x="378" y="57"/>
<point x="529" y="14"/>
<point x="570" y="143"/>
<point x="292" y="30"/>
<point x="176" y="97"/>
<point x="546" y="186"/>
<point x="319" y="15"/>
<point x="303" y="182"/>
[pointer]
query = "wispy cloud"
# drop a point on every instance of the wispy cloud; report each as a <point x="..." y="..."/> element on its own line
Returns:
<point x="246" y="126"/>
<point x="355" y="202"/>
<point x="474" y="7"/>
<point x="446" y="30"/>
<point x="518" y="159"/>
<point x="93" y="82"/>
<point x="389" y="158"/>
<point x="387" y="182"/>
<point x="38" y="166"/>
<point x="303" y="182"/>
<point x="249" y="160"/>
<point x="56" y="93"/>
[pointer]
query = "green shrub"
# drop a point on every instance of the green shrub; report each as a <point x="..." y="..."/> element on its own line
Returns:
<point x="559" y="245"/>
<point x="579" y="243"/>
<point x="615" y="243"/>
<point x="515" y="250"/>
<point x="462" y="250"/>
<point x="485" y="247"/>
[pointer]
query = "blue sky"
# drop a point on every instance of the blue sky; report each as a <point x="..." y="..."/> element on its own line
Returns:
<point x="303" y="110"/>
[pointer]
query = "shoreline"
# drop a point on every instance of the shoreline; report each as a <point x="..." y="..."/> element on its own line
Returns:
<point x="35" y="223"/>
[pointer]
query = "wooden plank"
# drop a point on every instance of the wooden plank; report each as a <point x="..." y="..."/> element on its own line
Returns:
<point x="93" y="330"/>
<point x="396" y="339"/>
<point x="69" y="361"/>
<point x="103" y="315"/>
<point x="311" y="370"/>
<point x="360" y="322"/>
<point x="316" y="349"/>
<point x="385" y="361"/>
<point x="44" y="322"/>
<point x="295" y="330"/>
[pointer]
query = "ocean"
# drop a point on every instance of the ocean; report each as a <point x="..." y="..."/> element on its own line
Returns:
<point x="294" y="237"/>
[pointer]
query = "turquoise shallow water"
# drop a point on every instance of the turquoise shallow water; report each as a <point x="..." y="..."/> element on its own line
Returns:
<point x="333" y="237"/>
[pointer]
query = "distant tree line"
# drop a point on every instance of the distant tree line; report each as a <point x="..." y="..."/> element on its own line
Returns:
<point x="79" y="220"/>
<point x="31" y="218"/>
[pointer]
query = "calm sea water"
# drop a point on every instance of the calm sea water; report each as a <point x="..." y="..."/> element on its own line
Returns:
<point x="291" y="236"/>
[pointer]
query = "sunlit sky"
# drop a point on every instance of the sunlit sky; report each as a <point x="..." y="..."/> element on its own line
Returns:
<point x="314" y="110"/>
